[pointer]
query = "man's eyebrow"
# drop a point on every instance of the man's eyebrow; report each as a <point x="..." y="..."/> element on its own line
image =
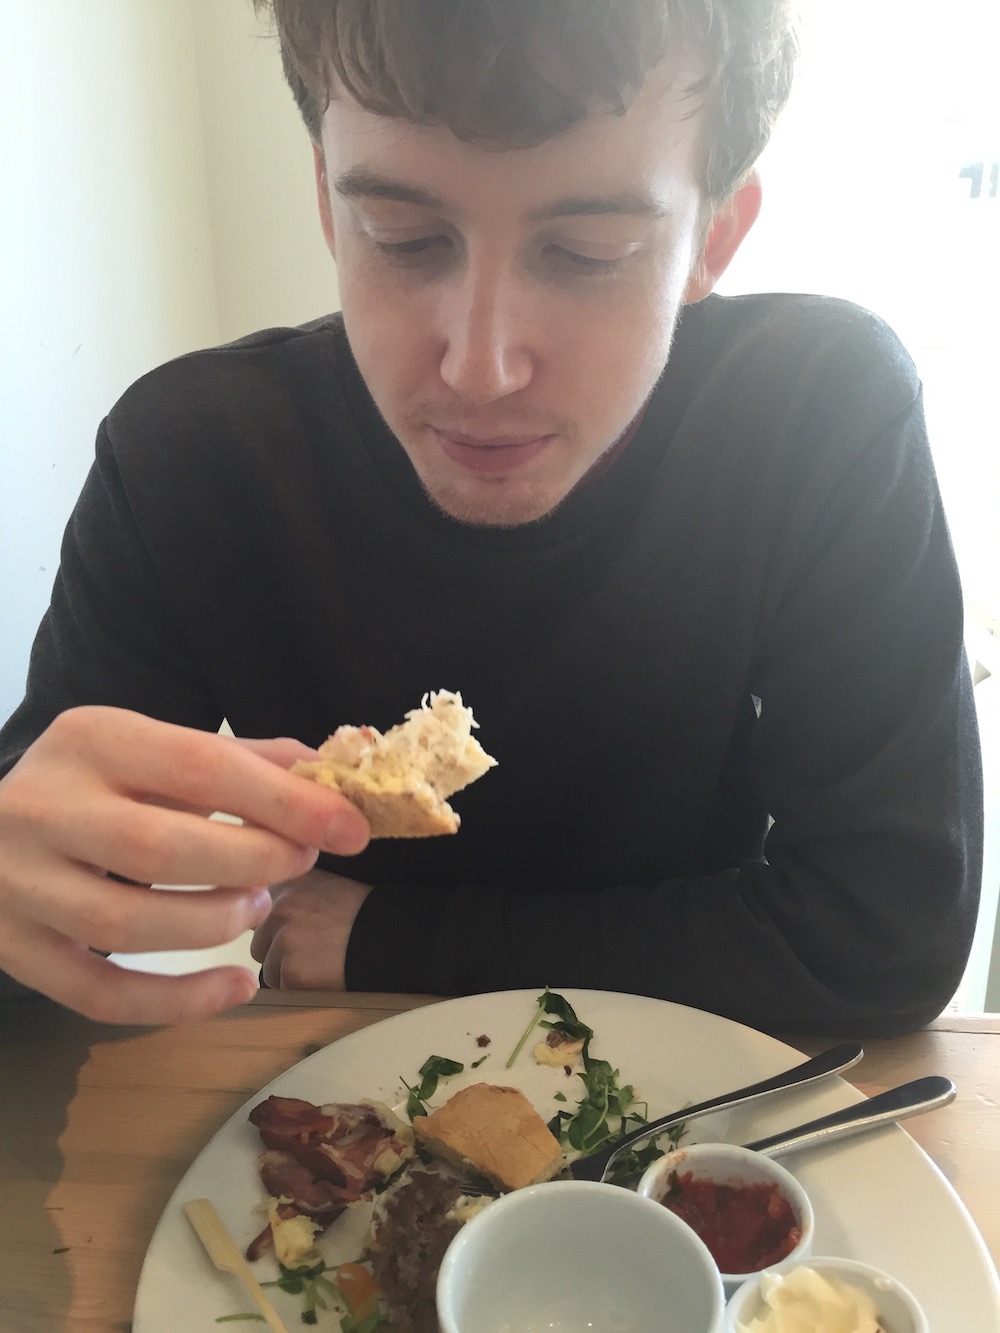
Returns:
<point x="362" y="184"/>
<point x="627" y="203"/>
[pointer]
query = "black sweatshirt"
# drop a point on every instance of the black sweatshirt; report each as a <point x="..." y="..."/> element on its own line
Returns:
<point x="725" y="681"/>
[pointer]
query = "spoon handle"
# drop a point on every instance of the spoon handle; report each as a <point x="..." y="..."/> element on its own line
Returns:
<point x="832" y="1061"/>
<point x="922" y="1094"/>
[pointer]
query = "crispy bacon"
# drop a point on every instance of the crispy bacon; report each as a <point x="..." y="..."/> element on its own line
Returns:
<point x="284" y="1118"/>
<point x="320" y="1158"/>
<point x="285" y="1177"/>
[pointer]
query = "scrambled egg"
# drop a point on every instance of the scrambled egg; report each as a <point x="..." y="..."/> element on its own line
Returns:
<point x="466" y="1207"/>
<point x="293" y="1238"/>
<point x="565" y="1053"/>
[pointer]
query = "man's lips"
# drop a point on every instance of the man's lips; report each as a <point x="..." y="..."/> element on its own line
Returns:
<point x="498" y="453"/>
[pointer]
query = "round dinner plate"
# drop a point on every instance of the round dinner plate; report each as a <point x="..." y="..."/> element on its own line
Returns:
<point x="877" y="1198"/>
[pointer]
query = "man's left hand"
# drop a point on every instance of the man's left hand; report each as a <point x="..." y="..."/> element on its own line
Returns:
<point x="303" y="943"/>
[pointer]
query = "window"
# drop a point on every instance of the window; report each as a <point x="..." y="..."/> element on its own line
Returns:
<point x="882" y="185"/>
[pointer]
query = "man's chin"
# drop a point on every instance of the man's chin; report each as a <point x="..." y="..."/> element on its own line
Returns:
<point x="492" y="503"/>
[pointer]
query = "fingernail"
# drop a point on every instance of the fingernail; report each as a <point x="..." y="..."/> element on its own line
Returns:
<point x="243" y="989"/>
<point x="346" y="834"/>
<point x="259" y="908"/>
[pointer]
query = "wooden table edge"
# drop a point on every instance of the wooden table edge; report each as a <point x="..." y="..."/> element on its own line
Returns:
<point x="393" y="1002"/>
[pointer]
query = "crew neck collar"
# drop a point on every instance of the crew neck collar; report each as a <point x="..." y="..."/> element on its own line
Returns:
<point x="594" y="502"/>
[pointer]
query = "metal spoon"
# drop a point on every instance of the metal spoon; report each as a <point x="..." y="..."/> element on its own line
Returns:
<point x="913" y="1098"/>
<point x="833" y="1061"/>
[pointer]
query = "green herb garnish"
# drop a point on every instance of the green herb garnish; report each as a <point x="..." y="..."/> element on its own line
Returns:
<point x="627" y="1168"/>
<point x="567" y="1023"/>
<point x="476" y="1063"/>
<point x="608" y="1110"/>
<point x="308" y="1281"/>
<point x="527" y="1031"/>
<point x="372" y="1323"/>
<point x="437" y="1066"/>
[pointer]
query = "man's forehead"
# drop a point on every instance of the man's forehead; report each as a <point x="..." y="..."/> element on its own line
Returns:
<point x="361" y="182"/>
<point x="609" y="163"/>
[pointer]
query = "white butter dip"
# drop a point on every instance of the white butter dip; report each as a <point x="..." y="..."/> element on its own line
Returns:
<point x="804" y="1301"/>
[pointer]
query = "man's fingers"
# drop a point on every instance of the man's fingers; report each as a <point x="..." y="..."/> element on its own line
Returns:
<point x="303" y="943"/>
<point x="284" y="751"/>
<point x="153" y="845"/>
<point x="142" y="757"/>
<point x="263" y="937"/>
<point x="119" y="918"/>
<point x="69" y="974"/>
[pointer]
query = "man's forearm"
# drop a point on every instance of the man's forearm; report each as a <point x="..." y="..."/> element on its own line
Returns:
<point x="803" y="946"/>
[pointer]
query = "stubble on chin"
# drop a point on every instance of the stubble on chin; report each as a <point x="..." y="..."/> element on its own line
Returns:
<point x="496" y="504"/>
<point x="482" y="500"/>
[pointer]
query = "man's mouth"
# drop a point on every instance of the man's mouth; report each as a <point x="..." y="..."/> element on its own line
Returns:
<point x="498" y="453"/>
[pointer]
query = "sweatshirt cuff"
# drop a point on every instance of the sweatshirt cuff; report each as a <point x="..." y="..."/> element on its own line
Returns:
<point x="469" y="939"/>
<point x="391" y="945"/>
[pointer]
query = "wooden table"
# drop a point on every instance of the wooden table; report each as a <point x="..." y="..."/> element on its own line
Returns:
<point x="98" y="1124"/>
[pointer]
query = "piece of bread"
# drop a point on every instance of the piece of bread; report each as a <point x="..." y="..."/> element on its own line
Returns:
<point x="400" y="781"/>
<point x="495" y="1132"/>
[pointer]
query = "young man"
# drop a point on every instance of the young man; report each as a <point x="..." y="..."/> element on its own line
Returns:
<point x="684" y="556"/>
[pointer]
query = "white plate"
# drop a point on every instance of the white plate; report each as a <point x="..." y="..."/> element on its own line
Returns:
<point x="878" y="1197"/>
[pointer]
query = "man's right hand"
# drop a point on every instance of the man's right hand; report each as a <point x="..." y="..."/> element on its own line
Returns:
<point x="105" y="790"/>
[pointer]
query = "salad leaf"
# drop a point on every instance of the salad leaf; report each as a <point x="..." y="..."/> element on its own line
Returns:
<point x="629" y="1165"/>
<point x="567" y="1023"/>
<point x="608" y="1108"/>
<point x="434" y="1067"/>
<point x="352" y="1285"/>
<point x="306" y="1280"/>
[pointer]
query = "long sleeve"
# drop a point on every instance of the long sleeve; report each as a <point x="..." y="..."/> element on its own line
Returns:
<point x="859" y="915"/>
<point x="110" y="635"/>
<point x="725" y="682"/>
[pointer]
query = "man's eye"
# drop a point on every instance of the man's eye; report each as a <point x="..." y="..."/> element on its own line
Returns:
<point x="572" y="261"/>
<point x="420" y="250"/>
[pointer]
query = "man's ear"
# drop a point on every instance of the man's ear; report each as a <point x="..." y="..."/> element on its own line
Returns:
<point x="323" y="199"/>
<point x="730" y="224"/>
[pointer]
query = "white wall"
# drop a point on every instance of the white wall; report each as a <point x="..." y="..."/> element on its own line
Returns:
<point x="271" y="262"/>
<point x="157" y="197"/>
<point x="106" y="257"/>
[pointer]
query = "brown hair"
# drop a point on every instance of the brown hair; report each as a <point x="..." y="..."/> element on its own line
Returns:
<point x="513" y="73"/>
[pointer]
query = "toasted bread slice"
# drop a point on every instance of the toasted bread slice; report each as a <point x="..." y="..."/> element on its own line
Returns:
<point x="495" y="1132"/>
<point x="401" y="781"/>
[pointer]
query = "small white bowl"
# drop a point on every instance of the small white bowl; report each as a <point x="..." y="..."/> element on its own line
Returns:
<point x="898" y="1309"/>
<point x="575" y="1255"/>
<point x="726" y="1164"/>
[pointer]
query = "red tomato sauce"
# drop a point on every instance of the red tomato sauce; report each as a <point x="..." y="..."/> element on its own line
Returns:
<point x="746" y="1227"/>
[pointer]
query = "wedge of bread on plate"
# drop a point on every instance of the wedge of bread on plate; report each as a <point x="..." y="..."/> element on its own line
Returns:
<point x="495" y="1132"/>
<point x="401" y="781"/>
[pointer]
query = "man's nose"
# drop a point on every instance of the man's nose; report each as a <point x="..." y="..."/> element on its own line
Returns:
<point x="488" y="349"/>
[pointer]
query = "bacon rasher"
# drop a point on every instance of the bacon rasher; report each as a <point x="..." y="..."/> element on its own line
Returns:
<point x="319" y="1159"/>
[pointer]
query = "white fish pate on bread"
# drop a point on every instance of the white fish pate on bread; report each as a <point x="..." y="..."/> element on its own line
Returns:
<point x="401" y="781"/>
<point x="493" y="1131"/>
